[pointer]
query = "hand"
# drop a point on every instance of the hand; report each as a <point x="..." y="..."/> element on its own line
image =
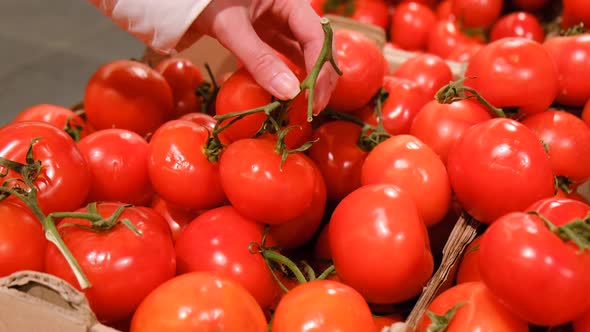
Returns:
<point x="253" y="29"/>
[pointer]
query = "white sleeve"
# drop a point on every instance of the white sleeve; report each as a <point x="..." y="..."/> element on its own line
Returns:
<point x="160" y="24"/>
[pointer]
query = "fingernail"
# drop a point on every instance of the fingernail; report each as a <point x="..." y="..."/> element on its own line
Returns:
<point x="285" y="85"/>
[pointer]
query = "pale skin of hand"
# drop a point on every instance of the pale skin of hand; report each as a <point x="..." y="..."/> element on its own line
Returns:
<point x="251" y="29"/>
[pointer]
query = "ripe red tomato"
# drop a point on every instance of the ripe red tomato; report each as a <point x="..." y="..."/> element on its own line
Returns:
<point x="575" y="12"/>
<point x="566" y="137"/>
<point x="408" y="163"/>
<point x="530" y="5"/>
<point x="481" y="312"/>
<point x="429" y="71"/>
<point x="184" y="77"/>
<point x="464" y="53"/>
<point x="64" y="180"/>
<point x="444" y="10"/>
<point x="179" y="170"/>
<point x="477" y="13"/>
<point x="499" y="166"/>
<point x="199" y="302"/>
<point x="362" y="63"/>
<point x="582" y="323"/>
<point x="445" y="37"/>
<point x="374" y="12"/>
<point x="202" y="119"/>
<point x="122" y="267"/>
<point x="440" y="125"/>
<point x="572" y="56"/>
<point x="323" y="305"/>
<point x="22" y="240"/>
<point x="128" y="95"/>
<point x="468" y="270"/>
<point x="318" y="6"/>
<point x="252" y="166"/>
<point x="518" y="24"/>
<point x="296" y="118"/>
<point x="176" y="217"/>
<point x="559" y="210"/>
<point x="117" y="159"/>
<point x="514" y="64"/>
<point x="218" y="241"/>
<point x="56" y="115"/>
<point x="537" y="259"/>
<point x="380" y="219"/>
<point x="411" y="23"/>
<point x="586" y="113"/>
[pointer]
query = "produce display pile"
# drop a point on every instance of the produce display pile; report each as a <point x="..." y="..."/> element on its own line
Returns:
<point x="178" y="201"/>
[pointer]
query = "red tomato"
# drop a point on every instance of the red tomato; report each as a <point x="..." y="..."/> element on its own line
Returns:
<point x="514" y="64"/>
<point x="575" y="12"/>
<point x="199" y="302"/>
<point x="573" y="195"/>
<point x="321" y="249"/>
<point x="339" y="157"/>
<point x="374" y="12"/>
<point x="202" y="119"/>
<point x="440" y="125"/>
<point x="445" y="37"/>
<point x="582" y="323"/>
<point x="530" y="5"/>
<point x="429" y="71"/>
<point x="586" y="113"/>
<point x="477" y="13"/>
<point x="469" y="267"/>
<point x="323" y="305"/>
<point x="444" y="10"/>
<point x="537" y="259"/>
<point x="481" y="312"/>
<point x="218" y="241"/>
<point x="408" y="163"/>
<point x="560" y="211"/>
<point x="179" y="170"/>
<point x="117" y="159"/>
<point x="64" y="180"/>
<point x="518" y="24"/>
<point x="464" y="53"/>
<point x="362" y="63"/>
<point x="252" y="166"/>
<point x="128" y="95"/>
<point x="176" y="217"/>
<point x="499" y="166"/>
<point x="56" y="115"/>
<point x="296" y="117"/>
<point x="22" y="240"/>
<point x="380" y="219"/>
<point x="429" y="3"/>
<point x="572" y="56"/>
<point x="566" y="137"/>
<point x="184" y="77"/>
<point x="318" y="6"/>
<point x="410" y="25"/>
<point x="122" y="267"/>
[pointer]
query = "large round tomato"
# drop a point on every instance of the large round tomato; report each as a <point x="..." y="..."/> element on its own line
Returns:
<point x="323" y="305"/>
<point x="559" y="210"/>
<point x="373" y="12"/>
<point x="445" y="37"/>
<point x="59" y="116"/>
<point x="575" y="12"/>
<point x="179" y="169"/>
<point x="117" y="159"/>
<point x="428" y="71"/>
<point x="469" y="267"/>
<point x="510" y="71"/>
<point x="184" y="77"/>
<point x="477" y="13"/>
<point x="128" y="95"/>
<point x="572" y="56"/>
<point x="518" y="24"/>
<point x="22" y="240"/>
<point x="362" y="63"/>
<point x="440" y="125"/>
<point x="259" y="187"/>
<point x="64" y="180"/>
<point x="218" y="240"/>
<point x="499" y="166"/>
<point x="481" y="311"/>
<point x="411" y="23"/>
<point x="408" y="163"/>
<point x="567" y="138"/>
<point x="582" y="323"/>
<point x="176" y="217"/>
<point x="199" y="302"/>
<point x="366" y="227"/>
<point x="122" y="267"/>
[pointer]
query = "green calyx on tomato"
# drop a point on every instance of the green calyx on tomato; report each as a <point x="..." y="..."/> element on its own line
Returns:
<point x="97" y="222"/>
<point x="577" y="29"/>
<point x="563" y="182"/>
<point x="456" y="91"/>
<point x="577" y="230"/>
<point x="441" y="322"/>
<point x="73" y="129"/>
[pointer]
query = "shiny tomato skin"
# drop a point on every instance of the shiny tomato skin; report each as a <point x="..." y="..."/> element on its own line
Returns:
<point x="252" y="166"/>
<point x="468" y="270"/>
<point x="184" y="77"/>
<point x="537" y="259"/>
<point x="440" y="125"/>
<point x="499" y="166"/>
<point x="381" y="219"/>
<point x="176" y="217"/>
<point x="116" y="259"/>
<point x="362" y="63"/>
<point x="326" y="306"/>
<point x="429" y="72"/>
<point x="179" y="170"/>
<point x="64" y="181"/>
<point x="408" y="163"/>
<point x="464" y="53"/>
<point x="202" y="119"/>
<point x="373" y="12"/>
<point x="218" y="241"/>
<point x="445" y="37"/>
<point x="575" y="12"/>
<point x="128" y="95"/>
<point x="582" y="323"/>
<point x="22" y="240"/>
<point x="481" y="312"/>
<point x="477" y="13"/>
<point x="572" y="56"/>
<point x="518" y="24"/>
<point x="514" y="64"/>
<point x="117" y="159"/>
<point x="55" y="115"/>
<point x="560" y="211"/>
<point x="199" y="302"/>
<point x="411" y="23"/>
<point x="566" y="137"/>
<point x="444" y="10"/>
<point x="318" y="6"/>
